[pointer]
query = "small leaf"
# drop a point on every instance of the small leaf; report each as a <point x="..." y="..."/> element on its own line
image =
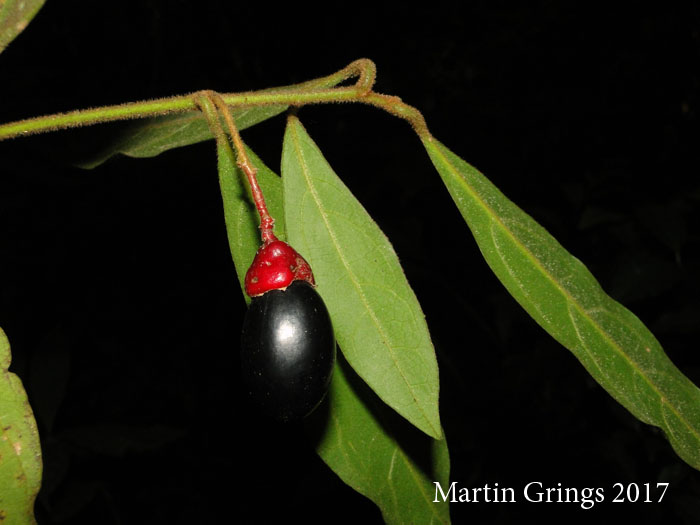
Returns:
<point x="242" y="222"/>
<point x="153" y="136"/>
<point x="559" y="292"/>
<point x="378" y="454"/>
<point x="15" y="16"/>
<point x="20" y="452"/>
<point x="377" y="319"/>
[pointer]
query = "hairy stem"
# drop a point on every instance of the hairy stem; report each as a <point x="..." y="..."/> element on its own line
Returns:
<point x="398" y="108"/>
<point x="266" y="221"/>
<point x="209" y="102"/>
<point x="319" y="91"/>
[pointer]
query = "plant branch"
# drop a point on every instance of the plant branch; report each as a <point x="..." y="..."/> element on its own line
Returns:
<point x="319" y="91"/>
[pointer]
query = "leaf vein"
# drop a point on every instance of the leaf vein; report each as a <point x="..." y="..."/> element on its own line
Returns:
<point x="421" y="487"/>
<point x="353" y="277"/>
<point x="537" y="263"/>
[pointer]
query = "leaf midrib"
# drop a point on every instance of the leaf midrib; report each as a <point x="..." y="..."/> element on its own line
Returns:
<point x="562" y="290"/>
<point x="536" y="306"/>
<point x="312" y="190"/>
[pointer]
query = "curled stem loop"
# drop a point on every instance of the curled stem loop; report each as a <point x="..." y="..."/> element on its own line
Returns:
<point x="318" y="91"/>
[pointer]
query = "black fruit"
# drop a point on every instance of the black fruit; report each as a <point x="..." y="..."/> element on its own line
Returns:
<point x="288" y="351"/>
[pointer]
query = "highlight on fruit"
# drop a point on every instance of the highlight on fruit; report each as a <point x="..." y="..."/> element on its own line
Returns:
<point x="287" y="345"/>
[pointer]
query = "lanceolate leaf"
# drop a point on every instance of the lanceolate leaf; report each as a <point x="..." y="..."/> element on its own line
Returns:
<point x="370" y="448"/>
<point x="240" y="213"/>
<point x="378" y="321"/>
<point x="20" y="452"/>
<point x="559" y="292"/>
<point x="153" y="136"/>
<point x="379" y="454"/>
<point x="15" y="15"/>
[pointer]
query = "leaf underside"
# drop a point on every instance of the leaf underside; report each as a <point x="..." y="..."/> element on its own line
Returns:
<point x="15" y="16"/>
<point x="378" y="453"/>
<point x="559" y="292"/>
<point x="20" y="451"/>
<point x="153" y="136"/>
<point x="378" y="322"/>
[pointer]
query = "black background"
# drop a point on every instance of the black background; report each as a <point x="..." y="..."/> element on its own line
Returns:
<point x="121" y="303"/>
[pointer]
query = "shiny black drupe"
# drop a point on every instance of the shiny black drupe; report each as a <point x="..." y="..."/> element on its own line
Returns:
<point x="288" y="351"/>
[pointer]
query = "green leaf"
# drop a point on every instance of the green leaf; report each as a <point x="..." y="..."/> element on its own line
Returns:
<point x="377" y="319"/>
<point x="153" y="136"/>
<point x="394" y="467"/>
<point x="20" y="452"/>
<point x="15" y="16"/>
<point x="242" y="222"/>
<point x="378" y="453"/>
<point x="559" y="292"/>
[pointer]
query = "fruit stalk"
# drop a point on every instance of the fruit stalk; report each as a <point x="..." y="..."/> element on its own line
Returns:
<point x="288" y="346"/>
<point x="276" y="264"/>
<point x="266" y="221"/>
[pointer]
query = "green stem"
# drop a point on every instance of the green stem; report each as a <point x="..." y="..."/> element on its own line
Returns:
<point x="319" y="91"/>
<point x="86" y="117"/>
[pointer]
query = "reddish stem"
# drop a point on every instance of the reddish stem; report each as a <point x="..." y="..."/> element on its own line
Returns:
<point x="266" y="221"/>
